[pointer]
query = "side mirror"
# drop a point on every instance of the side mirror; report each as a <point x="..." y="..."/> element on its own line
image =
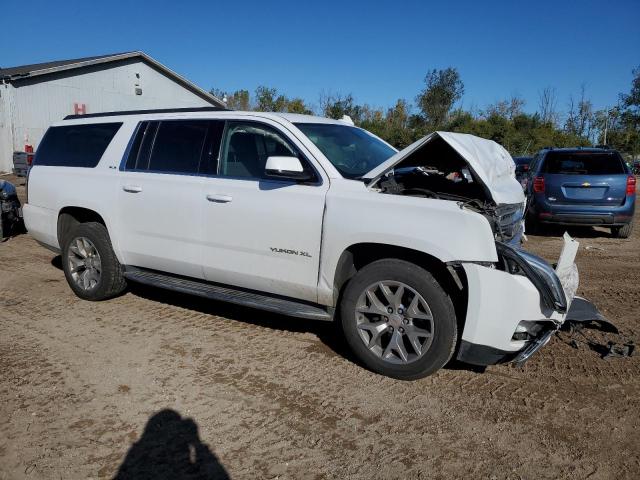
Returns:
<point x="286" y="168"/>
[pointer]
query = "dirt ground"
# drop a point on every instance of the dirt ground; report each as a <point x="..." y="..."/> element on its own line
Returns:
<point x="160" y="385"/>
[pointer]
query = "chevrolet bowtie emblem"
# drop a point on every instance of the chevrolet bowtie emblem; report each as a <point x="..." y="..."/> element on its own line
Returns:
<point x="586" y="184"/>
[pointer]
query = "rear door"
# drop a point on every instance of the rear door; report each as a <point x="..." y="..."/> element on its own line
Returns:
<point x="585" y="178"/>
<point x="160" y="196"/>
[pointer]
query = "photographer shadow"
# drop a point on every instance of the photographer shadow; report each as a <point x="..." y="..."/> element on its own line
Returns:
<point x="170" y="448"/>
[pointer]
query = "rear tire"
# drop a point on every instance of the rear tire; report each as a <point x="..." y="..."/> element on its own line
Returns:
<point x="532" y="226"/>
<point x="90" y="265"/>
<point x="622" y="232"/>
<point x="416" y="337"/>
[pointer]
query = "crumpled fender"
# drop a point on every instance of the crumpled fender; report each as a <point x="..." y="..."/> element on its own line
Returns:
<point x="439" y="228"/>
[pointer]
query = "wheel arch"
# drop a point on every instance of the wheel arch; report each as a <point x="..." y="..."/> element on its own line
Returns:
<point x="70" y="216"/>
<point x="451" y="278"/>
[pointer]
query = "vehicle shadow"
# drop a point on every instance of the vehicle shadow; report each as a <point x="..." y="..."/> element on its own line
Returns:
<point x="574" y="231"/>
<point x="57" y="262"/>
<point x="170" y="448"/>
<point x="327" y="332"/>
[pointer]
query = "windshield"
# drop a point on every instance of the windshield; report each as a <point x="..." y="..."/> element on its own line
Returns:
<point x="583" y="163"/>
<point x="351" y="150"/>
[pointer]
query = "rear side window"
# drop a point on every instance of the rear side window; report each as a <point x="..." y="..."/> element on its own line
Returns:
<point x="176" y="146"/>
<point x="75" y="145"/>
<point x="583" y="163"/>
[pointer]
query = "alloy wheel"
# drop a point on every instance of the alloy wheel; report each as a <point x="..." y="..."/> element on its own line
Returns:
<point x="85" y="265"/>
<point x="394" y="321"/>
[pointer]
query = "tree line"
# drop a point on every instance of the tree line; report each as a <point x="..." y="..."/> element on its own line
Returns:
<point x="437" y="107"/>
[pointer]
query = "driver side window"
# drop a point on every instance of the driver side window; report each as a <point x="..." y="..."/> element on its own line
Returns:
<point x="247" y="146"/>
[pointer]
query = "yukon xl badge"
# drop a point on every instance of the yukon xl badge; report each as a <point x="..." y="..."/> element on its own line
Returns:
<point x="288" y="251"/>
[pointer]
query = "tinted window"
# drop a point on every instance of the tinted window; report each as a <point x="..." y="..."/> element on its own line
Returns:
<point x="351" y="150"/>
<point x="178" y="146"/>
<point x="209" y="162"/>
<point x="75" y="145"/>
<point x="583" y="163"/>
<point x="247" y="146"/>
<point x="141" y="148"/>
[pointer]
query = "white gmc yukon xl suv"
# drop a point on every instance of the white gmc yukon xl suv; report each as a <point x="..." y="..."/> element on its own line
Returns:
<point x="415" y="253"/>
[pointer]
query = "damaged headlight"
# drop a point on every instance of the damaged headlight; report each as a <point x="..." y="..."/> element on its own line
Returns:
<point x="536" y="269"/>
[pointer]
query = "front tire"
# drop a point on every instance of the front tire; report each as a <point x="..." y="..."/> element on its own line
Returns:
<point x="90" y="265"/>
<point x="398" y="320"/>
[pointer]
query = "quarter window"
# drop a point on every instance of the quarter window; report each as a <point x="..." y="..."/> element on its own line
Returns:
<point x="75" y="145"/>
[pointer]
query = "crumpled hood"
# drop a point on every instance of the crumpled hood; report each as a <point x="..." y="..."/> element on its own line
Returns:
<point x="489" y="161"/>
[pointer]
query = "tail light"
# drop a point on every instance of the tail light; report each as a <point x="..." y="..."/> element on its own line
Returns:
<point x="29" y="151"/>
<point x="631" y="185"/>
<point x="538" y="184"/>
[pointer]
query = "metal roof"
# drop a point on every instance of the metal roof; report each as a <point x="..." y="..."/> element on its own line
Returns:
<point x="37" y="69"/>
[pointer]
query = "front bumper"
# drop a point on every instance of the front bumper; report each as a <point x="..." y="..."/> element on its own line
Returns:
<point x="485" y="355"/>
<point x="509" y="318"/>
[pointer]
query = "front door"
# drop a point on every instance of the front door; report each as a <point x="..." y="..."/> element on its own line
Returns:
<point x="260" y="233"/>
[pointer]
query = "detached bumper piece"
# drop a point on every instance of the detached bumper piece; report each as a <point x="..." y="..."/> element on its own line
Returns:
<point x="583" y="311"/>
<point x="533" y="347"/>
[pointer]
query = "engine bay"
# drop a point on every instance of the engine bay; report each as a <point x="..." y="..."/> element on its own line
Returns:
<point x="438" y="171"/>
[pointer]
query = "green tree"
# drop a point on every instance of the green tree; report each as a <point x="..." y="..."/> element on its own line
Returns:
<point x="297" y="105"/>
<point x="337" y="105"/>
<point x="443" y="88"/>
<point x="624" y="130"/>
<point x="238" y="100"/>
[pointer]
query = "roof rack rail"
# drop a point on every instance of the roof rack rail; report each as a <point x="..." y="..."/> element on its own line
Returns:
<point x="142" y="112"/>
<point x="604" y="147"/>
<point x="548" y="148"/>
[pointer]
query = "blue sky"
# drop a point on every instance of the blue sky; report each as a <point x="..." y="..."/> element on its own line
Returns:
<point x="377" y="50"/>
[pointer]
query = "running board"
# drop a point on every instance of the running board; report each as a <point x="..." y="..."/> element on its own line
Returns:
<point x="289" y="307"/>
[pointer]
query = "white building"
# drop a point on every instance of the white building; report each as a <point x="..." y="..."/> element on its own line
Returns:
<point x="32" y="97"/>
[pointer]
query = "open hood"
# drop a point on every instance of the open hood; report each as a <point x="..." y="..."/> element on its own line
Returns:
<point x="489" y="161"/>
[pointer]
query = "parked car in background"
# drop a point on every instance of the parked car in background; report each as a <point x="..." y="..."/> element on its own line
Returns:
<point x="10" y="210"/>
<point x="522" y="168"/>
<point x="581" y="186"/>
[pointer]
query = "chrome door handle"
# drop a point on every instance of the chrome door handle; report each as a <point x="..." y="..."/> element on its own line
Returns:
<point x="132" y="188"/>
<point x="219" y="198"/>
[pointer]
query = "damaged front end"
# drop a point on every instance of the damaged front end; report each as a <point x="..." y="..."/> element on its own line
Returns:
<point x="477" y="174"/>
<point x="514" y="304"/>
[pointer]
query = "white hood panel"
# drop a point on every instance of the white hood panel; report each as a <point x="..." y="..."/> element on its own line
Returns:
<point x="489" y="160"/>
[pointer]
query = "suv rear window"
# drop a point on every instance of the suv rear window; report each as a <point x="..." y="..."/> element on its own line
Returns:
<point x="75" y="145"/>
<point x="584" y="163"/>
